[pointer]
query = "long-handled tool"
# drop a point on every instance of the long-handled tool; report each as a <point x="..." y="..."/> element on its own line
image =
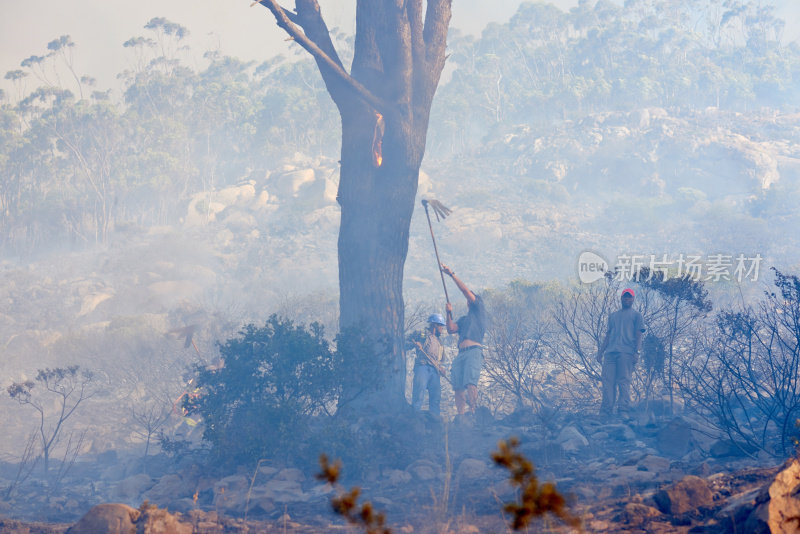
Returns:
<point x="433" y="363"/>
<point x="440" y="211"/>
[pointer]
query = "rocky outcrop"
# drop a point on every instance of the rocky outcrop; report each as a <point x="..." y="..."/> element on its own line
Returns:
<point x="784" y="500"/>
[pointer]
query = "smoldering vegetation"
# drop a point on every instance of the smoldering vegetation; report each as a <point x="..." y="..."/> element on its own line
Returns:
<point x="240" y="433"/>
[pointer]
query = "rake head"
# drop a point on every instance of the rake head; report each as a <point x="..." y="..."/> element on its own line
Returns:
<point x="440" y="210"/>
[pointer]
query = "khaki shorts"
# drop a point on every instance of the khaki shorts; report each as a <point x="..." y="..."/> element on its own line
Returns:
<point x="466" y="368"/>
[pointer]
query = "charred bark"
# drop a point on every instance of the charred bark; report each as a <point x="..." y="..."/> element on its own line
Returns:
<point x="384" y="103"/>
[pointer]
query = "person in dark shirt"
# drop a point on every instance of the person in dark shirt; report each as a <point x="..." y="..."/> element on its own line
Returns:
<point x="466" y="369"/>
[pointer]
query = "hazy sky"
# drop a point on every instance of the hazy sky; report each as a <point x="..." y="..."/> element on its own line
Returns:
<point x="99" y="27"/>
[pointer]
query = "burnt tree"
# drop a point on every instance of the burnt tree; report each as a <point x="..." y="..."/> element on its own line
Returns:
<point x="384" y="103"/>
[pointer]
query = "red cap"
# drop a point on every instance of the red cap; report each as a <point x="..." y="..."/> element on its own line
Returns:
<point x="629" y="290"/>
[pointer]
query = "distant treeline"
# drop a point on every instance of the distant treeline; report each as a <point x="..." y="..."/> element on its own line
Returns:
<point x="546" y="65"/>
<point x="76" y="162"/>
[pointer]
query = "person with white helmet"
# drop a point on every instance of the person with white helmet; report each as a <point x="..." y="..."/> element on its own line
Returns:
<point x="428" y="366"/>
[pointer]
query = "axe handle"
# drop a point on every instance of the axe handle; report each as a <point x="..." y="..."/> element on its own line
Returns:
<point x="436" y="250"/>
<point x="435" y="365"/>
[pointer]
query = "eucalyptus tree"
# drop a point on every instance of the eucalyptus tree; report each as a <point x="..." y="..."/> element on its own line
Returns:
<point x="84" y="140"/>
<point x="63" y="48"/>
<point x="384" y="103"/>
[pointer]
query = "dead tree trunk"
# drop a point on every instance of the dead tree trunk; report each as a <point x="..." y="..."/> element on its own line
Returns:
<point x="384" y="103"/>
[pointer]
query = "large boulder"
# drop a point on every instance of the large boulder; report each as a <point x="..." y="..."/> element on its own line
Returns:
<point x="571" y="439"/>
<point x="784" y="500"/>
<point x="202" y="209"/>
<point x="169" y="488"/>
<point x="290" y="473"/>
<point x="424" y="470"/>
<point x="236" y="194"/>
<point x="726" y="448"/>
<point x="687" y="495"/>
<point x="472" y="468"/>
<point x="674" y="439"/>
<point x="288" y="184"/>
<point x="108" y="519"/>
<point x="285" y="491"/>
<point x="618" y="432"/>
<point x="655" y="464"/>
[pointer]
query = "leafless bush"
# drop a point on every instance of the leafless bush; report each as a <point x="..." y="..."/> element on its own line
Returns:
<point x="26" y="464"/>
<point x="149" y="418"/>
<point x="748" y="377"/>
<point x="518" y="366"/>
<point x="518" y="359"/>
<point x="674" y="309"/>
<point x="64" y="388"/>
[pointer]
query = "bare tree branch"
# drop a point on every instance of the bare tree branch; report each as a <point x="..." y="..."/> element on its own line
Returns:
<point x="323" y="59"/>
<point x="437" y="20"/>
<point x="309" y="17"/>
<point x="414" y="9"/>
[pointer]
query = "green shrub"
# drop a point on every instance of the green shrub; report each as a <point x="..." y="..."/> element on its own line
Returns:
<point x="274" y="378"/>
<point x="279" y="385"/>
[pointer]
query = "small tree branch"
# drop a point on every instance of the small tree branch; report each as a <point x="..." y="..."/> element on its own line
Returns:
<point x="309" y="17"/>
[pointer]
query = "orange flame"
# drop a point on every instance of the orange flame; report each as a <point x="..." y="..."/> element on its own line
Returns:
<point x="377" y="140"/>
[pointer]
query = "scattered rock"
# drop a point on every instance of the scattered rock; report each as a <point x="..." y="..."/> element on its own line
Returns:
<point x="637" y="514"/>
<point x="472" y="468"/>
<point x="726" y="448"/>
<point x="292" y="474"/>
<point x="618" y="432"/>
<point x="424" y="470"/>
<point x="168" y="488"/>
<point x="130" y="489"/>
<point x="396" y="477"/>
<point x="685" y="496"/>
<point x="654" y="463"/>
<point x="674" y="438"/>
